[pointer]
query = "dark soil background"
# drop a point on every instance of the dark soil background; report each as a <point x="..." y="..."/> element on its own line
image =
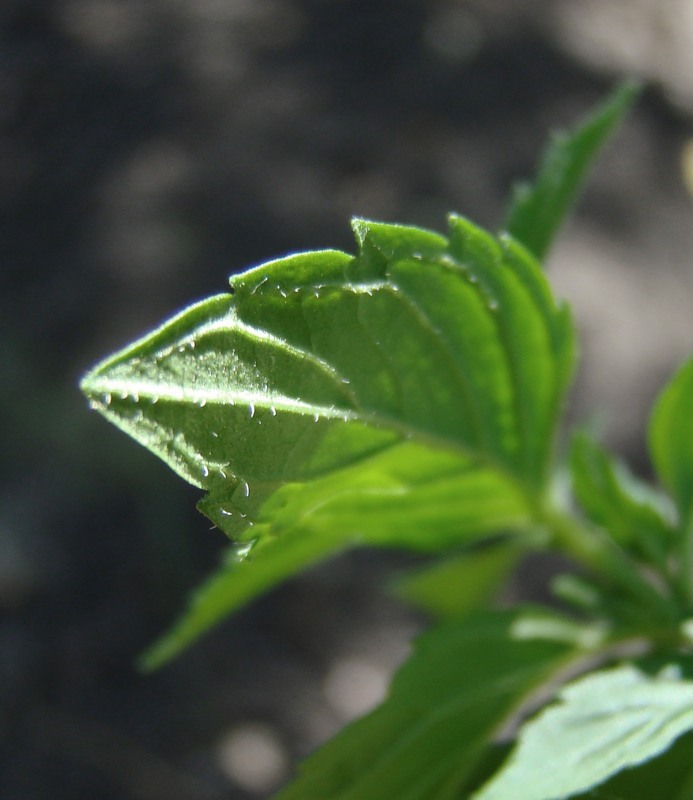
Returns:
<point x="150" y="148"/>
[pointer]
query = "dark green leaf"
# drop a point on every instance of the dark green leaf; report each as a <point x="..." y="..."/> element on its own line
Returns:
<point x="426" y="741"/>
<point x="538" y="209"/>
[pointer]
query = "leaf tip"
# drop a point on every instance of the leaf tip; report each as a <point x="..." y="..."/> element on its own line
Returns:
<point x="86" y="386"/>
<point x="156" y="656"/>
<point x="360" y="226"/>
<point x="83" y="383"/>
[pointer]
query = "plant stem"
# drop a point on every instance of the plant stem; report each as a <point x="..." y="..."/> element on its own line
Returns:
<point x="685" y="575"/>
<point x="603" y="556"/>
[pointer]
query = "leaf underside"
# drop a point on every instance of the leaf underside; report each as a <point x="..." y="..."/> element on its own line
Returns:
<point x="404" y="397"/>
<point x="603" y="724"/>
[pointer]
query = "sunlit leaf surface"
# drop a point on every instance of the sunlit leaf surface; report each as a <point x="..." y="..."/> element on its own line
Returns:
<point x="602" y="724"/>
<point x="407" y="396"/>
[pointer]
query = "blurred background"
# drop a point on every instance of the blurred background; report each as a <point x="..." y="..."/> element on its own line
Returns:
<point x="150" y="148"/>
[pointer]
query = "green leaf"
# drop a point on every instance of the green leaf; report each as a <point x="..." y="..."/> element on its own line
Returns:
<point x="602" y="724"/>
<point x="537" y="210"/>
<point x="458" y="585"/>
<point x="428" y="738"/>
<point x="671" y="441"/>
<point x="406" y="496"/>
<point x="637" y="516"/>
<point x="407" y="396"/>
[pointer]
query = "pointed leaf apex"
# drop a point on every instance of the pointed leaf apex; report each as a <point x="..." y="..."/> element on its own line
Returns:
<point x="395" y="242"/>
<point x="537" y="210"/>
<point x="360" y="227"/>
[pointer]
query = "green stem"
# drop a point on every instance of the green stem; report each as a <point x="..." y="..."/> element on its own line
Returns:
<point x="603" y="556"/>
<point x="685" y="576"/>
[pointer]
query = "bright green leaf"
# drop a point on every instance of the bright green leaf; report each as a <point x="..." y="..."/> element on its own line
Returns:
<point x="668" y="776"/>
<point x="431" y="734"/>
<point x="538" y="209"/>
<point x="404" y="397"/>
<point x="405" y="496"/>
<point x="635" y="514"/>
<point x="602" y="724"/>
<point x="671" y="441"/>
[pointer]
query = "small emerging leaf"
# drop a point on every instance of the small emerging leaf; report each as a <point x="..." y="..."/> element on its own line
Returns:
<point x="602" y="724"/>
<point x="633" y="513"/>
<point x="671" y="441"/>
<point x="538" y="209"/>
<point x="668" y="777"/>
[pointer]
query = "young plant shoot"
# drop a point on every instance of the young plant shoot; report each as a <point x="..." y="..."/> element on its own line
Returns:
<point x="410" y="396"/>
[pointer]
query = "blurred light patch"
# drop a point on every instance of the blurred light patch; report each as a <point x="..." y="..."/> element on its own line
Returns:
<point x="253" y="756"/>
<point x="651" y="39"/>
<point x="106" y="27"/>
<point x="453" y="34"/>
<point x="354" y="686"/>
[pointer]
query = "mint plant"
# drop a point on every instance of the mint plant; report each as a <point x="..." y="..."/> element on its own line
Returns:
<point x="410" y="396"/>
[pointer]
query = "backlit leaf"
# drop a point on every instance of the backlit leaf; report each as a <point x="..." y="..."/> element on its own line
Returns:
<point x="407" y="396"/>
